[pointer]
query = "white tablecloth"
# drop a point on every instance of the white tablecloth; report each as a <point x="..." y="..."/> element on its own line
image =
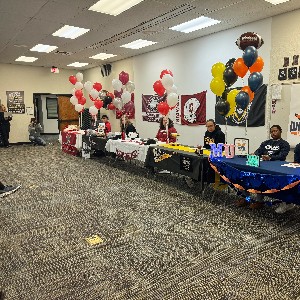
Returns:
<point x="128" y="149"/>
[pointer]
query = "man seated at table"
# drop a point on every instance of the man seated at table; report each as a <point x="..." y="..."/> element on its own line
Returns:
<point x="273" y="149"/>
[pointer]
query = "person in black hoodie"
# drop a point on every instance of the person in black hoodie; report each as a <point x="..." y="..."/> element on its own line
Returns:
<point x="213" y="134"/>
<point x="4" y="126"/>
<point x="297" y="154"/>
<point x="274" y="149"/>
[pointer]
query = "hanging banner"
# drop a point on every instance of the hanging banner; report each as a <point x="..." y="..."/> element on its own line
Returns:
<point x="15" y="102"/>
<point x="149" y="107"/>
<point x="293" y="133"/>
<point x="191" y="109"/>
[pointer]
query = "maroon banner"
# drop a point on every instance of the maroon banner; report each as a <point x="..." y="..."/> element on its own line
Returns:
<point x="149" y="107"/>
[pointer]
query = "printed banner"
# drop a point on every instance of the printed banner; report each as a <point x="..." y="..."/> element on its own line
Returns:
<point x="254" y="114"/>
<point x="293" y="133"/>
<point x="15" y="102"/>
<point x="191" y="109"/>
<point x="149" y="107"/>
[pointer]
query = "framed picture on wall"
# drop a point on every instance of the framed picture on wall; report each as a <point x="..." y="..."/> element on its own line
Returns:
<point x="241" y="146"/>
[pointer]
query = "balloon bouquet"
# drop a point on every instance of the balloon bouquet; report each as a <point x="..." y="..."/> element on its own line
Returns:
<point x="123" y="92"/>
<point x="165" y="87"/>
<point x="224" y="76"/>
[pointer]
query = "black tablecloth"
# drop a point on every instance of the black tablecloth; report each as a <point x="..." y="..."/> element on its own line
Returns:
<point x="95" y="142"/>
<point x="185" y="163"/>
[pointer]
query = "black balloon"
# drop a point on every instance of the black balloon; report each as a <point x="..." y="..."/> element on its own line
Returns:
<point x="230" y="62"/>
<point x="229" y="76"/>
<point x="223" y="107"/>
<point x="107" y="100"/>
<point x="242" y="99"/>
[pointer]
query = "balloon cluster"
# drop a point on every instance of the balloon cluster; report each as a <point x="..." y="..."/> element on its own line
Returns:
<point x="165" y="86"/>
<point x="100" y="98"/>
<point x="225" y="76"/>
<point x="123" y="91"/>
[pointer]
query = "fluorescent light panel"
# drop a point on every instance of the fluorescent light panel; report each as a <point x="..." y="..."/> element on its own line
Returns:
<point x="26" y="59"/>
<point x="138" y="44"/>
<point x="102" y="56"/>
<point x="43" y="48"/>
<point x="70" y="32"/>
<point x="195" y="24"/>
<point x="113" y="7"/>
<point x="277" y="1"/>
<point x="77" y="64"/>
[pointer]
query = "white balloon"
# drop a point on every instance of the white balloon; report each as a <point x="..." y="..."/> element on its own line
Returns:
<point x="93" y="110"/>
<point x="74" y="100"/>
<point x="117" y="102"/>
<point x="172" y="99"/>
<point x="117" y="85"/>
<point x="78" y="85"/>
<point x="173" y="89"/>
<point x="130" y="86"/>
<point x="167" y="81"/>
<point x="126" y="97"/>
<point x="88" y="86"/>
<point x="73" y="91"/>
<point x="79" y="107"/>
<point x="94" y="93"/>
<point x="79" y="76"/>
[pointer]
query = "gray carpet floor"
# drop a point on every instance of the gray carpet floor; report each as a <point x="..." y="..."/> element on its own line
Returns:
<point x="161" y="240"/>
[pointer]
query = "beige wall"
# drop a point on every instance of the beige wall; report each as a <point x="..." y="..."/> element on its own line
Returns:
<point x="30" y="80"/>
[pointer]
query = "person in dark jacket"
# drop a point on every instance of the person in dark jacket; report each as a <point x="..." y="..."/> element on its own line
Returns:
<point x="126" y="125"/>
<point x="162" y="134"/>
<point x="297" y="154"/>
<point x="274" y="149"/>
<point x="213" y="134"/>
<point x="4" y="126"/>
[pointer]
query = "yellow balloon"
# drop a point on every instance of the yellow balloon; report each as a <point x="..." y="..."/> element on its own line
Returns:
<point x="231" y="99"/>
<point x="217" y="70"/>
<point x="217" y="86"/>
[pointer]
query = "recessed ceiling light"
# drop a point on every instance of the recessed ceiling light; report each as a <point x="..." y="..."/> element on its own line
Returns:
<point x="43" y="48"/>
<point x="277" y="1"/>
<point x="195" y="24"/>
<point x="113" y="7"/>
<point x="26" y="59"/>
<point x="77" y="64"/>
<point x="138" y="44"/>
<point x="102" y="56"/>
<point x="70" y="32"/>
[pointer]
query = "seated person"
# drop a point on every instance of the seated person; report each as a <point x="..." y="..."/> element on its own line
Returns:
<point x="213" y="134"/>
<point x="162" y="134"/>
<point x="104" y="120"/>
<point x="126" y="125"/>
<point x="297" y="154"/>
<point x="274" y="149"/>
<point x="34" y="130"/>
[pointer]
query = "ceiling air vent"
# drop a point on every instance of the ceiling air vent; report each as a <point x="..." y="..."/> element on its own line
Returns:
<point x="63" y="52"/>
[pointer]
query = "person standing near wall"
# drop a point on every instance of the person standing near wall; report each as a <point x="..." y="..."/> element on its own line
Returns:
<point x="4" y="126"/>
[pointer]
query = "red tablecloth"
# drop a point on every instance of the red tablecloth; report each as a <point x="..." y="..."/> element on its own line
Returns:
<point x="68" y="142"/>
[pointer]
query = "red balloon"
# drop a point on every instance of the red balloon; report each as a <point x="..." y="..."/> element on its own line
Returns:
<point x="124" y="77"/>
<point x="73" y="79"/>
<point x="159" y="88"/>
<point x="132" y="97"/>
<point x="111" y="106"/>
<point x="163" y="108"/>
<point x="98" y="104"/>
<point x="82" y="101"/>
<point x="97" y="86"/>
<point x="78" y="94"/>
<point x="164" y="72"/>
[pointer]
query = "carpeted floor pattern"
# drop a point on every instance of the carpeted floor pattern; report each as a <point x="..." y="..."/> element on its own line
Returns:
<point x="161" y="240"/>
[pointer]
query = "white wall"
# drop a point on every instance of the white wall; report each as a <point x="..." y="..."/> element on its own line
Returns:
<point x="30" y="80"/>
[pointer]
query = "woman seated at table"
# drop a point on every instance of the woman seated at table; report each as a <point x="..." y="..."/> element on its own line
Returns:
<point x="164" y="135"/>
<point x="126" y="125"/>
